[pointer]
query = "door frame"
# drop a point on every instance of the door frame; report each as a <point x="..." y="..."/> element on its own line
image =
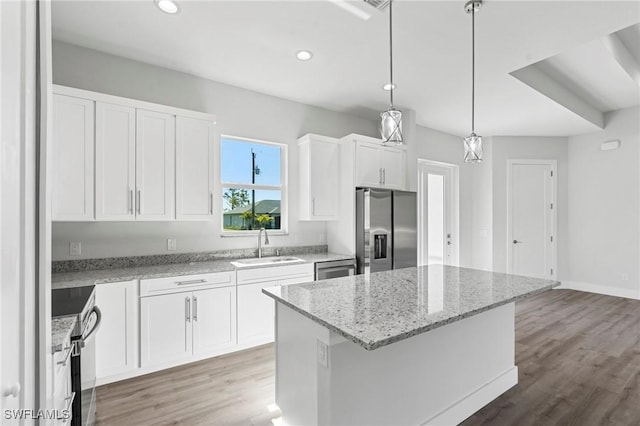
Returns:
<point x="554" y="211"/>
<point x="454" y="208"/>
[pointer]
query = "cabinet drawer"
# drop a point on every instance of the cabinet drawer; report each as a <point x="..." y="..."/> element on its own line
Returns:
<point x="274" y="273"/>
<point x="155" y="286"/>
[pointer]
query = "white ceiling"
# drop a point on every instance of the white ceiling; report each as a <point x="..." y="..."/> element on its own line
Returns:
<point x="252" y="44"/>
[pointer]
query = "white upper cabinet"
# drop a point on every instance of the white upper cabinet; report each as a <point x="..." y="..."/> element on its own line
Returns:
<point x="72" y="176"/>
<point x="377" y="165"/>
<point x="115" y="162"/>
<point x="368" y="170"/>
<point x="393" y="165"/>
<point x="155" y="165"/>
<point x="119" y="159"/>
<point x="319" y="162"/>
<point x="194" y="168"/>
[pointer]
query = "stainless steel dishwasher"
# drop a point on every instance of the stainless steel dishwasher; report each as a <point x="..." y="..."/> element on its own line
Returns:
<point x="335" y="269"/>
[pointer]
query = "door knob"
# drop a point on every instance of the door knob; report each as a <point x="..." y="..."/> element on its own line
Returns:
<point x="517" y="242"/>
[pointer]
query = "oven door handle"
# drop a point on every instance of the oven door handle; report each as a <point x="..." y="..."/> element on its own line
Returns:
<point x="98" y="313"/>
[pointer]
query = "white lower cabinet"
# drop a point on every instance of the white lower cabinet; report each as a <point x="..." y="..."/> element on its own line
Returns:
<point x="165" y="328"/>
<point x="117" y="337"/>
<point x="63" y="397"/>
<point x="163" y="322"/>
<point x="214" y="319"/>
<point x="186" y="318"/>
<point x="256" y="313"/>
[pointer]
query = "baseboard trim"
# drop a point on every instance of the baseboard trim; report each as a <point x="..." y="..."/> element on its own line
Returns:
<point x="477" y="399"/>
<point x="601" y="289"/>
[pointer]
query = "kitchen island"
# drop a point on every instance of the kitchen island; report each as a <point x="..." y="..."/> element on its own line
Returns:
<point x="426" y="345"/>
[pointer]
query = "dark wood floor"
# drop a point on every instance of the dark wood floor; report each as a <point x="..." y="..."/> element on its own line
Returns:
<point x="578" y="356"/>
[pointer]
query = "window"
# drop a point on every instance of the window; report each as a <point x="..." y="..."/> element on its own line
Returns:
<point x="253" y="179"/>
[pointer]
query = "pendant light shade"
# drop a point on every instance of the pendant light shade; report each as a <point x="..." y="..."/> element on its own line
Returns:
<point x="473" y="142"/>
<point x="391" y="127"/>
<point x="473" y="148"/>
<point x="391" y="119"/>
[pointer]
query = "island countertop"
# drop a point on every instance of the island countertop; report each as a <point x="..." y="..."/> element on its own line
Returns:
<point x="385" y="307"/>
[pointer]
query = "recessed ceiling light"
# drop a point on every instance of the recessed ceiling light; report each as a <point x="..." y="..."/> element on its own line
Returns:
<point x="167" y="6"/>
<point x="304" y="55"/>
<point x="389" y="86"/>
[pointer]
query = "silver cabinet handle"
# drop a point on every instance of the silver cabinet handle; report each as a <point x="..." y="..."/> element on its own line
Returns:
<point x="384" y="175"/>
<point x="138" y="201"/>
<point x="130" y="206"/>
<point x="517" y="242"/>
<point x="69" y="400"/>
<point x="195" y="308"/>
<point x="189" y="282"/>
<point x="380" y="176"/>
<point x="69" y="350"/>
<point x="211" y="203"/>
<point x="313" y="206"/>
<point x="187" y="309"/>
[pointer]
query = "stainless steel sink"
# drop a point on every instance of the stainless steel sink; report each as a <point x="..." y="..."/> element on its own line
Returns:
<point x="243" y="263"/>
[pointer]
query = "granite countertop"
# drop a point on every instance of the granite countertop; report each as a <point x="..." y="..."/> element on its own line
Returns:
<point x="61" y="328"/>
<point x="386" y="307"/>
<point x="101" y="276"/>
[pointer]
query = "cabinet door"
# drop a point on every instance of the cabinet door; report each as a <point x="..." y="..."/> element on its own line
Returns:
<point x="115" y="161"/>
<point x="324" y="179"/>
<point x="214" y="319"/>
<point x="194" y="169"/>
<point x="393" y="168"/>
<point x="72" y="164"/>
<point x="117" y="337"/>
<point x="255" y="314"/>
<point x="368" y="170"/>
<point x="165" y="328"/>
<point x="155" y="165"/>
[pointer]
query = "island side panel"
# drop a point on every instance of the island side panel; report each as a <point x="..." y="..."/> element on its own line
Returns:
<point x="298" y="385"/>
<point x="438" y="377"/>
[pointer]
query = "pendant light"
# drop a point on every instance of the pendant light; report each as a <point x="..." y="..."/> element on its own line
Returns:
<point x="391" y="119"/>
<point x="473" y="142"/>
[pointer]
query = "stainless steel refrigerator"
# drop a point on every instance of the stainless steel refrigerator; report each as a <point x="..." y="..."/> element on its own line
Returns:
<point x="386" y="229"/>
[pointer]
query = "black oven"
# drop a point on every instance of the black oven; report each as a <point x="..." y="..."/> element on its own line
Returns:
<point x="80" y="301"/>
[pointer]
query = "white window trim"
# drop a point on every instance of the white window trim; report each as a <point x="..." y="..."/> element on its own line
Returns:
<point x="283" y="188"/>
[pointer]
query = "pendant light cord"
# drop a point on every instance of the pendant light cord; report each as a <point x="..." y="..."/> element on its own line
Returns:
<point x="473" y="67"/>
<point x="391" y="50"/>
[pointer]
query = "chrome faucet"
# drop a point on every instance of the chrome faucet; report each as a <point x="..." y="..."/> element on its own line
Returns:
<point x="266" y="241"/>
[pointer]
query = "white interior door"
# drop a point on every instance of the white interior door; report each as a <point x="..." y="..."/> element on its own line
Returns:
<point x="437" y="223"/>
<point x="531" y="218"/>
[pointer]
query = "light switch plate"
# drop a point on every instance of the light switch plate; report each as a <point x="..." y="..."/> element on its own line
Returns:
<point x="75" y="249"/>
<point x="171" y="244"/>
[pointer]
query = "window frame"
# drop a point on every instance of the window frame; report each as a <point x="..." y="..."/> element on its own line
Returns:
<point x="283" y="188"/>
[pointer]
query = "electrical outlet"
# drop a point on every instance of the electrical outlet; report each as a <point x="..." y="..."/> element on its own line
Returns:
<point x="75" y="249"/>
<point x="323" y="354"/>
<point x="171" y="244"/>
<point x="322" y="237"/>
<point x="624" y="276"/>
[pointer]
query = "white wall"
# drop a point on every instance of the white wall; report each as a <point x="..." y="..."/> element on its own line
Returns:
<point x="518" y="147"/>
<point x="239" y="112"/>
<point x="475" y="191"/>
<point x="604" y="208"/>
